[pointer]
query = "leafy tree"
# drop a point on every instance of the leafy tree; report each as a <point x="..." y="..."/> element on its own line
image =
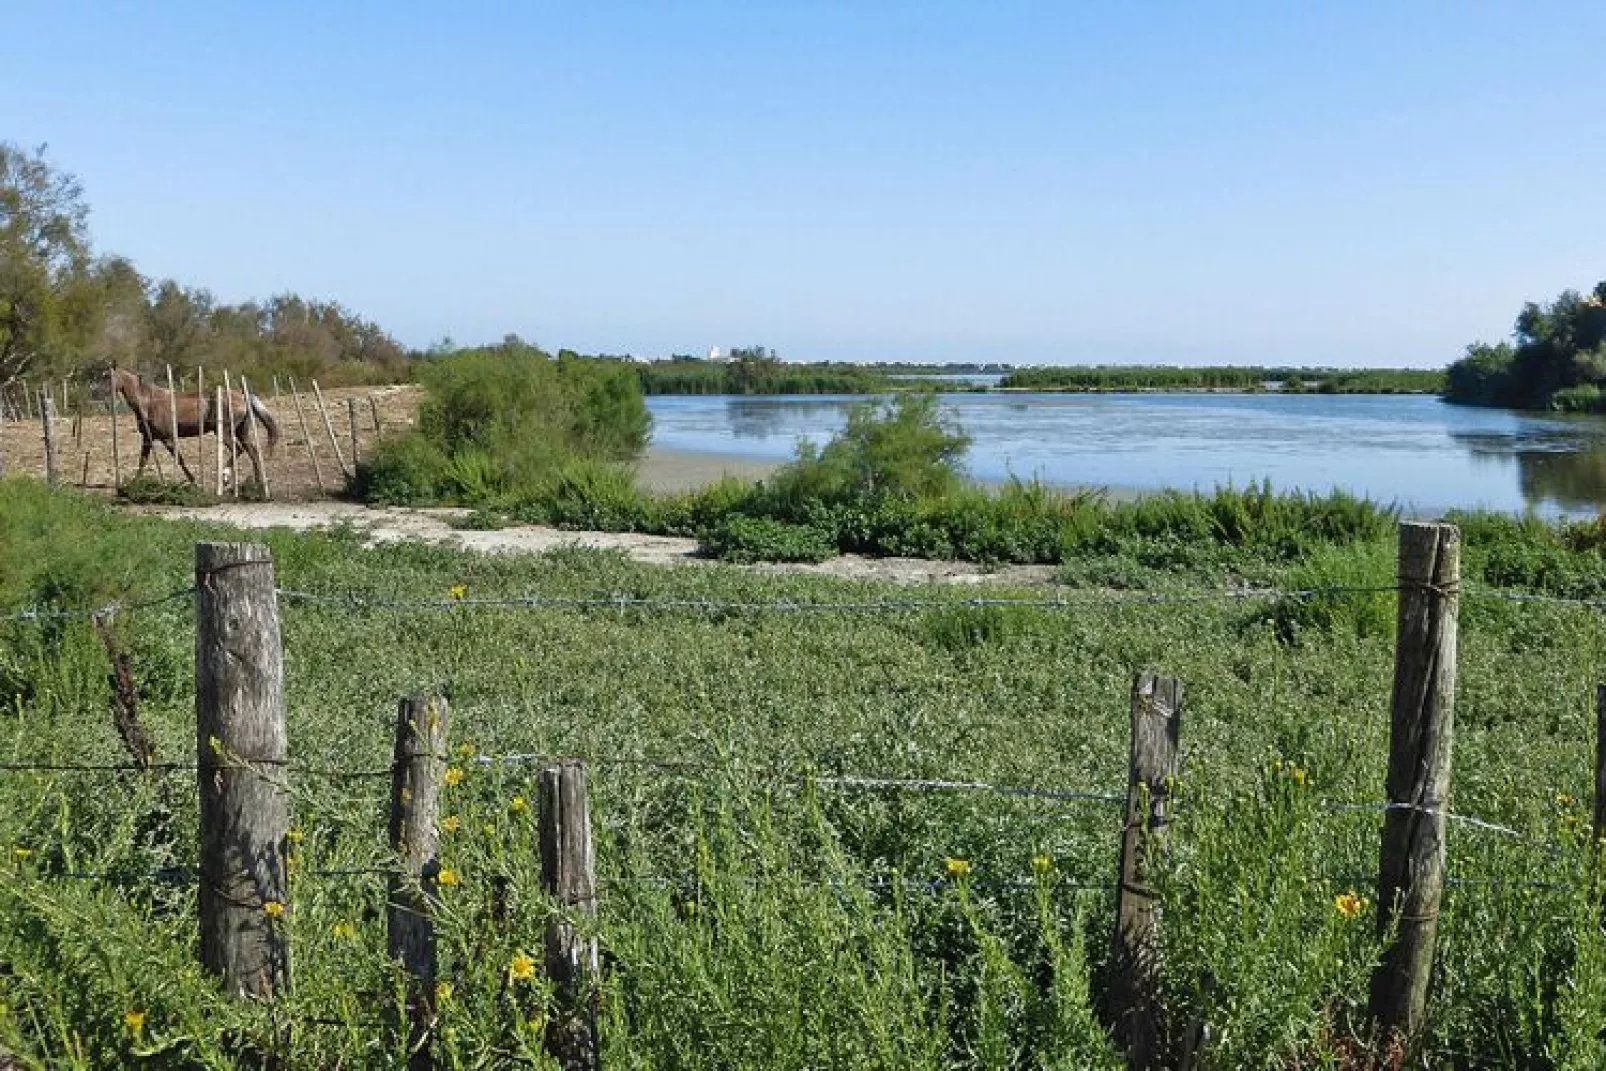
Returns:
<point x="44" y="250"/>
<point x="1558" y="360"/>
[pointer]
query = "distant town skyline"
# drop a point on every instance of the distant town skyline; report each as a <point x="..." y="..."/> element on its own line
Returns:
<point x="1359" y="184"/>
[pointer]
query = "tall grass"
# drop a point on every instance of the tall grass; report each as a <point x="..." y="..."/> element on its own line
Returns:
<point x="751" y="915"/>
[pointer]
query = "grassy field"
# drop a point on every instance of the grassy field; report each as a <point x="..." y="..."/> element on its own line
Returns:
<point x="752" y="917"/>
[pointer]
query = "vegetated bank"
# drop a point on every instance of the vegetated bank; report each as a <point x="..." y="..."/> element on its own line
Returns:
<point x="1247" y="378"/>
<point x="759" y="370"/>
<point x="1557" y="359"/>
<point x="749" y="916"/>
<point x="888" y="484"/>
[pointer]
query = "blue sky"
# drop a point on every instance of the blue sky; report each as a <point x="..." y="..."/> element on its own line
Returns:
<point x="1321" y="183"/>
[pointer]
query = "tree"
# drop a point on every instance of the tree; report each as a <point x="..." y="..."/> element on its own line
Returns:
<point x="44" y="251"/>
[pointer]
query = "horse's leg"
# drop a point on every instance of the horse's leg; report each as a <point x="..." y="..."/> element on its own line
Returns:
<point x="144" y="453"/>
<point x="188" y="475"/>
<point x="256" y="460"/>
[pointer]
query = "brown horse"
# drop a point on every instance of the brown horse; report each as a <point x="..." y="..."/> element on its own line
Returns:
<point x="153" y="412"/>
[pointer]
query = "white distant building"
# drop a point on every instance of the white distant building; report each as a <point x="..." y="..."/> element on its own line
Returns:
<point x="717" y="353"/>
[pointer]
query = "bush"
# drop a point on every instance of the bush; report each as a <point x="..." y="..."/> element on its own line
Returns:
<point x="498" y="423"/>
<point x="740" y="538"/>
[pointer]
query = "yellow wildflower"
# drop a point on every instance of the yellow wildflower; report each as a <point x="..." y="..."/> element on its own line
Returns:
<point x="295" y="835"/>
<point x="22" y="855"/>
<point x="1349" y="905"/>
<point x="135" y="1020"/>
<point x="443" y="992"/>
<point x="447" y="876"/>
<point x="1565" y="799"/>
<point x="450" y="823"/>
<point x="1298" y="774"/>
<point x="465" y="749"/>
<point x="521" y="968"/>
<point x="519" y="805"/>
<point x="957" y="868"/>
<point x="1042" y="864"/>
<point x="454" y="775"/>
<point x="458" y="592"/>
<point x="273" y="909"/>
<point x="343" y="931"/>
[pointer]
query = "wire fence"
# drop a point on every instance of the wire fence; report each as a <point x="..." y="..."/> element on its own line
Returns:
<point x="1080" y="600"/>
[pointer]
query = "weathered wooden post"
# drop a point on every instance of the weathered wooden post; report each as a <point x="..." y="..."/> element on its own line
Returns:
<point x="351" y="416"/>
<point x="217" y="411"/>
<point x="306" y="437"/>
<point x="172" y="412"/>
<point x="47" y="409"/>
<point x="1599" y="843"/>
<point x="117" y="449"/>
<point x="568" y="872"/>
<point x="418" y="772"/>
<point x="1137" y="1011"/>
<point x="203" y="403"/>
<point x="1422" y="726"/>
<point x="373" y="409"/>
<point x="240" y="749"/>
<point x="329" y="426"/>
<point x="234" y="439"/>
<point x="261" y="462"/>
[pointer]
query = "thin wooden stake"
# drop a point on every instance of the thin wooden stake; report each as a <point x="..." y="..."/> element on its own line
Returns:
<point x="568" y="873"/>
<point x="234" y="438"/>
<point x="373" y="408"/>
<point x="117" y="448"/>
<point x="306" y="436"/>
<point x="1422" y="729"/>
<point x="329" y="426"/>
<point x="47" y="406"/>
<point x="172" y="410"/>
<point x="240" y="750"/>
<point x="202" y="401"/>
<point x="351" y="416"/>
<point x="418" y="772"/>
<point x="260" y="463"/>
<point x="217" y="410"/>
<point x="1600" y="770"/>
<point x="1135" y="1004"/>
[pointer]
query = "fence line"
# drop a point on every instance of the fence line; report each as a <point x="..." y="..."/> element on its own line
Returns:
<point x="1084" y="600"/>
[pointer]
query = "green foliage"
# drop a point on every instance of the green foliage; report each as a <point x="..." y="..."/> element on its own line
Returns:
<point x="752" y="912"/>
<point x="150" y="491"/>
<point x="499" y="425"/>
<point x="740" y="538"/>
<point x="1558" y="360"/>
<point x="1227" y="377"/>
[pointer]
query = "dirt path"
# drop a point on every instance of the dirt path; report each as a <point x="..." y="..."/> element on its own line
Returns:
<point x="434" y="526"/>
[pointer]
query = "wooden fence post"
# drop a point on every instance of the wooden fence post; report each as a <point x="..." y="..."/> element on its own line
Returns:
<point x="172" y="411"/>
<point x="568" y="872"/>
<point x="234" y="439"/>
<point x="418" y="772"/>
<point x="1137" y="1010"/>
<point x="203" y="402"/>
<point x="373" y="408"/>
<point x="117" y="448"/>
<point x="329" y="426"/>
<point x="1600" y="768"/>
<point x="351" y="415"/>
<point x="312" y="452"/>
<point x="1422" y="727"/>
<point x="47" y="409"/>
<point x="240" y="750"/>
<point x="217" y="447"/>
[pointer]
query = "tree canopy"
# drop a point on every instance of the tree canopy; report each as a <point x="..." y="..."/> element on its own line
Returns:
<point x="1556" y="359"/>
<point x="62" y="307"/>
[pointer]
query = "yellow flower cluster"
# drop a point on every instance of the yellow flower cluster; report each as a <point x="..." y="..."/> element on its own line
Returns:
<point x="458" y="592"/>
<point x="273" y="909"/>
<point x="447" y="876"/>
<point x="1294" y="773"/>
<point x="957" y="868"/>
<point x="134" y="1018"/>
<point x="521" y="968"/>
<point x="519" y="805"/>
<point x="454" y="776"/>
<point x="343" y="931"/>
<point x="1042" y="864"/>
<point x="450" y="823"/>
<point x="1349" y="905"/>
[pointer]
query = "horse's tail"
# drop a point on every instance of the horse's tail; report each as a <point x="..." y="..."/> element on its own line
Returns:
<point x="268" y="422"/>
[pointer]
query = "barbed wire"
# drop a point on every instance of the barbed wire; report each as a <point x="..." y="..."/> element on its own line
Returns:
<point x="654" y="604"/>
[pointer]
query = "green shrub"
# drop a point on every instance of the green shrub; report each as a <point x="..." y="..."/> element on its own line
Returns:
<point x="740" y="538"/>
<point x="498" y="423"/>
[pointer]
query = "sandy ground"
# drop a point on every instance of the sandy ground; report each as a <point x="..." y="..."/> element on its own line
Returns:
<point x="434" y="526"/>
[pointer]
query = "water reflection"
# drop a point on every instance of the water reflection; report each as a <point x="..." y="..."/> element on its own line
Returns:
<point x="766" y="418"/>
<point x="1557" y="463"/>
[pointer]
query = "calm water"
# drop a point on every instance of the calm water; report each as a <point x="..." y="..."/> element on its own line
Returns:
<point x="1409" y="449"/>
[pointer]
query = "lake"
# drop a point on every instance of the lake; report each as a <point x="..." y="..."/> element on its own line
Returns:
<point x="1411" y="449"/>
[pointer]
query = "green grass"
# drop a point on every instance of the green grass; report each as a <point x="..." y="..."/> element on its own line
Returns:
<point x="751" y="916"/>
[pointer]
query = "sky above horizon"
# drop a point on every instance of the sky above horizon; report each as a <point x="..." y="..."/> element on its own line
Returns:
<point x="1360" y="183"/>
